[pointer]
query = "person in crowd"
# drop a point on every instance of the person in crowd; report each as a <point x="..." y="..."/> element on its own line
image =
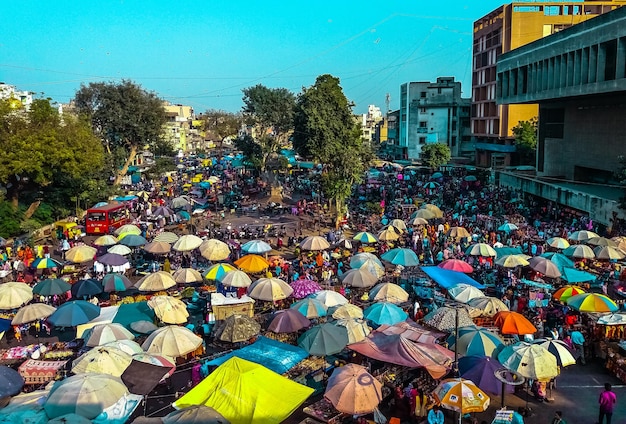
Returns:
<point x="607" y="402"/>
<point x="435" y="415"/>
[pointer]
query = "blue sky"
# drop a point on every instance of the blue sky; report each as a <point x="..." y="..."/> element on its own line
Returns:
<point x="203" y="54"/>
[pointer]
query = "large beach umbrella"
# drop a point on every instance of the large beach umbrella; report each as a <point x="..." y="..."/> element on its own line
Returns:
<point x="237" y="328"/>
<point x="314" y="243"/>
<point x="560" y="349"/>
<point x="288" y="321"/>
<point x="132" y="240"/>
<point x="32" y="312"/>
<point x="416" y="221"/>
<point x="482" y="371"/>
<point x="580" y="251"/>
<point x="236" y="278"/>
<point x="464" y="292"/>
<point x="257" y="247"/>
<point x="458" y="232"/>
<point x="303" y="288"/>
<point x="103" y="360"/>
<point x="116" y="282"/>
<point x="511" y="322"/>
<point x="252" y="263"/>
<point x="347" y="311"/>
<point x="195" y="414"/>
<point x="169" y="309"/>
<point x="11" y="382"/>
<point x="384" y="313"/>
<point x="399" y="224"/>
<point x="330" y="298"/>
<point x="324" y="339"/>
<point x="608" y="253"/>
<point x="480" y="249"/>
<point x="187" y="243"/>
<point x="508" y="227"/>
<point x="352" y="390"/>
<point x="84" y="394"/>
<point x="544" y="266"/>
<point x="128" y="229"/>
<point x="511" y="261"/>
<point x="157" y="281"/>
<point x="269" y="289"/>
<point x="166" y="237"/>
<point x="389" y="234"/>
<point x="172" y="340"/>
<point x="401" y="256"/>
<point x="125" y="345"/>
<point x="388" y="292"/>
<point x="488" y="305"/>
<point x="218" y="271"/>
<point x="120" y="249"/>
<point x="106" y="240"/>
<point x="360" y="259"/>
<point x="560" y="260"/>
<point x="474" y="340"/>
<point x="158" y="247"/>
<point x="357" y="329"/>
<point x="558" y="242"/>
<point x="531" y="361"/>
<point x="86" y="288"/>
<point x="461" y="395"/>
<point x="112" y="259"/>
<point x="186" y="276"/>
<point x="359" y="278"/>
<point x="457" y="265"/>
<point x="51" y="286"/>
<point x="582" y="235"/>
<point x="73" y="313"/>
<point x="13" y="295"/>
<point x="592" y="302"/>
<point x="432" y="208"/>
<point x="80" y="254"/>
<point x="310" y="308"/>
<point x="45" y="263"/>
<point x="214" y="250"/>
<point x="566" y="292"/>
<point x="423" y="214"/>
<point x="445" y="318"/>
<point x="365" y="237"/>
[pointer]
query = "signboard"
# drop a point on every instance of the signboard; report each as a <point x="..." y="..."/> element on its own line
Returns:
<point x="503" y="416"/>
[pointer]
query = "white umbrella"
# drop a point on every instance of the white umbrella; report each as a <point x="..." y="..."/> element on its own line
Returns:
<point x="110" y="332"/>
<point x="236" y="278"/>
<point x="157" y="281"/>
<point x="104" y="360"/>
<point x="173" y="341"/>
<point x="187" y="242"/>
<point x="330" y="298"/>
<point x="314" y="243"/>
<point x="120" y="249"/>
<point x="464" y="292"/>
<point x="169" y="309"/>
<point x="359" y="278"/>
<point x="269" y="289"/>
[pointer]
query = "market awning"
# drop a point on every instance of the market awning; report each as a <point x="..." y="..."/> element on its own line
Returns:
<point x="446" y="278"/>
<point x="572" y="275"/>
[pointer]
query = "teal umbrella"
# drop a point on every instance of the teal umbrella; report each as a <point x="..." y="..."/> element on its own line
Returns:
<point x="572" y="275"/>
<point x="116" y="282"/>
<point x="73" y="313"/>
<point x="310" y="308"/>
<point x="51" y="286"/>
<point x="385" y="313"/>
<point x="86" y="288"/>
<point x="133" y="240"/>
<point x="323" y="340"/>
<point x="478" y="341"/>
<point x="560" y="260"/>
<point x="401" y="256"/>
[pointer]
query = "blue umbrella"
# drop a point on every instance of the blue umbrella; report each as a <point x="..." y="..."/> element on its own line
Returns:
<point x="385" y="313"/>
<point x="310" y="308"/>
<point x="507" y="226"/>
<point x="323" y="340"/>
<point x="116" y="282"/>
<point x="436" y="175"/>
<point x="133" y="240"/>
<point x="560" y="260"/>
<point x="11" y="382"/>
<point x="476" y="341"/>
<point x="481" y="370"/>
<point x="73" y="313"/>
<point x="401" y="256"/>
<point x="51" y="286"/>
<point x="86" y="288"/>
<point x="256" y="247"/>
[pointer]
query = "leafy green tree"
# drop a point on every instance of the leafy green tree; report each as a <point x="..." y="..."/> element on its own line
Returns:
<point x="271" y="111"/>
<point x="325" y="130"/>
<point x="122" y="115"/>
<point x="525" y="133"/>
<point x="436" y="154"/>
<point x="251" y="150"/>
<point x="219" y="125"/>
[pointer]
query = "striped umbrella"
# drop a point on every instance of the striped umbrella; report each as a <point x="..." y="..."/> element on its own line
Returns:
<point x="310" y="308"/>
<point x="365" y="237"/>
<point x="218" y="271"/>
<point x="562" y="352"/>
<point x="558" y="243"/>
<point x="580" y="251"/>
<point x="566" y="292"/>
<point x="592" y="302"/>
<point x="480" y="249"/>
<point x="489" y="305"/>
<point x="582" y="235"/>
<point x="529" y="360"/>
<point x="45" y="263"/>
<point x="166" y="237"/>
<point x="475" y="340"/>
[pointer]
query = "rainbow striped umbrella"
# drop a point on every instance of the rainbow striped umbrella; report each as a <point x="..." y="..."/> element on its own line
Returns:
<point x="218" y="271"/>
<point x="592" y="302"/>
<point x="564" y="293"/>
<point x="365" y="237"/>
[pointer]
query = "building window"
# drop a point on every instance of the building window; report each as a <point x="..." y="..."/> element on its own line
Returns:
<point x="423" y="124"/>
<point x="422" y="140"/>
<point x="423" y="94"/>
<point x="422" y="110"/>
<point x="454" y="140"/>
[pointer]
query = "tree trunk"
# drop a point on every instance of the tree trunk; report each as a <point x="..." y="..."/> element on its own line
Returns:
<point x="13" y="192"/>
<point x="32" y="209"/>
<point x="122" y="172"/>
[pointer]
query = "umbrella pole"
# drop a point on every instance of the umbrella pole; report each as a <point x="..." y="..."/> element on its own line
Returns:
<point x="502" y="396"/>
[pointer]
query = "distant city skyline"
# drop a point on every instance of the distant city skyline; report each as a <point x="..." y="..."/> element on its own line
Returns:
<point x="204" y="56"/>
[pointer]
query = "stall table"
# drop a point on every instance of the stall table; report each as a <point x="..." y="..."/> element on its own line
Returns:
<point x="40" y="372"/>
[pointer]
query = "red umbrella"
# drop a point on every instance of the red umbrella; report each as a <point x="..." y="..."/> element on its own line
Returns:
<point x="456" y="265"/>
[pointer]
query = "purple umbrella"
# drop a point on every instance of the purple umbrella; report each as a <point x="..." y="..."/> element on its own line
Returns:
<point x="288" y="321"/>
<point x="112" y="259"/>
<point x="303" y="288"/>
<point x="481" y="370"/>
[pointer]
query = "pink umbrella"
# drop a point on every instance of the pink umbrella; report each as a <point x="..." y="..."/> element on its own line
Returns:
<point x="303" y="288"/>
<point x="456" y="265"/>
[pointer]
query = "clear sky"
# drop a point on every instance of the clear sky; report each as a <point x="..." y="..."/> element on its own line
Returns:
<point x="204" y="53"/>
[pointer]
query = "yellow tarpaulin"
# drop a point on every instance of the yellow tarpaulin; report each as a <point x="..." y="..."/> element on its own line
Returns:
<point x="245" y="392"/>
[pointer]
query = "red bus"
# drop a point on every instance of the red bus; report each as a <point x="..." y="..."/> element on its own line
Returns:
<point x="106" y="219"/>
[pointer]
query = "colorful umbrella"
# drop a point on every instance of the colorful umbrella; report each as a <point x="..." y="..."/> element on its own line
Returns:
<point x="116" y="282"/>
<point x="529" y="360"/>
<point x="172" y="340"/>
<point x="511" y="261"/>
<point x="384" y="313"/>
<point x="132" y="240"/>
<point x="513" y="323"/>
<point x="32" y="312"/>
<point x="359" y="278"/>
<point x="86" y="288"/>
<point x="461" y="395"/>
<point x="310" y="308"/>
<point x="128" y="229"/>
<point x="158" y="248"/>
<point x="106" y="240"/>
<point x="120" y="249"/>
<point x="330" y="298"/>
<point x="169" y="309"/>
<point x="157" y="281"/>
<point x="166" y="237"/>
<point x="401" y="256"/>
<point x="237" y="328"/>
<point x="580" y="251"/>
<point x="474" y="340"/>
<point x="464" y="292"/>
<point x="558" y="242"/>
<point x="236" y="278"/>
<point x="73" y="313"/>
<point x="562" y="352"/>
<point x="324" y="339"/>
<point x="352" y="390"/>
<point x="101" y="334"/>
<point x="158" y="360"/>
<point x="488" y="305"/>
<point x="544" y="266"/>
<point x="252" y="263"/>
<point x="456" y="265"/>
<point x="51" y="286"/>
<point x="13" y="295"/>
<point x="388" y="292"/>
<point x="365" y="237"/>
<point x="582" y="235"/>
<point x="592" y="302"/>
<point x="45" y="263"/>
<point x="80" y="254"/>
<point x="257" y="247"/>
<point x="314" y="243"/>
<point x="218" y="271"/>
<point x="288" y="321"/>
<point x="214" y="250"/>
<point x="304" y="288"/>
<point x="480" y="249"/>
<point x="482" y="371"/>
<point x="269" y="289"/>
<point x="566" y="292"/>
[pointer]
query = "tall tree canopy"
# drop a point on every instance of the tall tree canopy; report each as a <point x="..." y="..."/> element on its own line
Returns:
<point x="436" y="154"/>
<point x="525" y="133"/>
<point x="41" y="150"/>
<point x="219" y="124"/>
<point x="271" y="111"/>
<point x="124" y="116"/>
<point x="325" y="130"/>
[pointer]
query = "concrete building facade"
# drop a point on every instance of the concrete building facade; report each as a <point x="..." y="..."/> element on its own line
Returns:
<point x="578" y="79"/>
<point x="502" y="30"/>
<point x="17" y="97"/>
<point x="432" y="112"/>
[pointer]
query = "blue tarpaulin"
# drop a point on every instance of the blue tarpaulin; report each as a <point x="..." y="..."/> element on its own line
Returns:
<point x="572" y="275"/>
<point x="503" y="251"/>
<point x="536" y="284"/>
<point x="446" y="278"/>
<point x="277" y="356"/>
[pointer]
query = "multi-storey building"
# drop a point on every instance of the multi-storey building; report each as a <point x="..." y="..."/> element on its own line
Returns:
<point x="431" y="112"/>
<point x="18" y="98"/>
<point x="178" y="125"/>
<point x="508" y="27"/>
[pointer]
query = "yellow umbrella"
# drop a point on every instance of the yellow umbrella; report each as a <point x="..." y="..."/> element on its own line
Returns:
<point x="398" y="224"/>
<point x="348" y="311"/>
<point x="424" y="214"/>
<point x="388" y="292"/>
<point x="418" y="220"/>
<point x="458" y="232"/>
<point x="128" y="229"/>
<point x="169" y="309"/>
<point x="166" y="237"/>
<point x="434" y="209"/>
<point x="388" y="234"/>
<point x="357" y="329"/>
<point x="511" y="261"/>
<point x="103" y="360"/>
<point x="173" y="341"/>
<point x="80" y="254"/>
<point x="252" y="263"/>
<point x="32" y="312"/>
<point x="214" y="250"/>
<point x="461" y="395"/>
<point x="218" y="271"/>
<point x="105" y="240"/>
<point x="157" y="281"/>
<point x="13" y="295"/>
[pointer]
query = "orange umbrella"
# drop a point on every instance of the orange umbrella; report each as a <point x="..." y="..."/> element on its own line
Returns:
<point x="566" y="292"/>
<point x="252" y="263"/>
<point x="513" y="323"/>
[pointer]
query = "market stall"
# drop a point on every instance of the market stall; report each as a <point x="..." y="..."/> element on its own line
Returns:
<point x="223" y="306"/>
<point x="40" y="372"/>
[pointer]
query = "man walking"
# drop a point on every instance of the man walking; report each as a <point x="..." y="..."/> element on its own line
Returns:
<point x="579" y="343"/>
<point x="607" y="402"/>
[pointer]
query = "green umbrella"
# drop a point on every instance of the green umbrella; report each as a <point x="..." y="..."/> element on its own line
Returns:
<point x="323" y="340"/>
<point x="51" y="286"/>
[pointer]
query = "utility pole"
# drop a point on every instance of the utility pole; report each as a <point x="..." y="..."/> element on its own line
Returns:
<point x="387" y="101"/>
